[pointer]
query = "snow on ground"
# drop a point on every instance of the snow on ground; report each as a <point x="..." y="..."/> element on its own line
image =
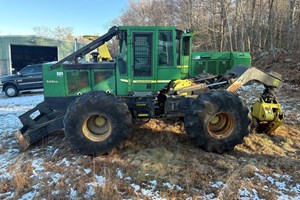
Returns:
<point x="11" y="108"/>
<point x="53" y="167"/>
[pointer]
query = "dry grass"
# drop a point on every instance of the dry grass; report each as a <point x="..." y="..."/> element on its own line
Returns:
<point x="20" y="177"/>
<point x="159" y="151"/>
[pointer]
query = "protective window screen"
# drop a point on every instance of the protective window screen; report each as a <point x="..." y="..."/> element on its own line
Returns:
<point x="165" y="48"/>
<point x="101" y="76"/>
<point x="77" y="80"/>
<point x="142" y="52"/>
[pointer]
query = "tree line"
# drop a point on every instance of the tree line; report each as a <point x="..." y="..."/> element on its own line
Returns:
<point x="223" y="25"/>
<point x="61" y="33"/>
<point x="218" y="25"/>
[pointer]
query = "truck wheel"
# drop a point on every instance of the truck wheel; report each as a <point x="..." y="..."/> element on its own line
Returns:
<point x="97" y="122"/>
<point x="217" y="121"/>
<point x="11" y="91"/>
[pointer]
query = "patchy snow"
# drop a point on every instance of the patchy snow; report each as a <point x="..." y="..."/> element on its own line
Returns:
<point x="119" y="173"/>
<point x="29" y="195"/>
<point x="7" y="195"/>
<point x="52" y="165"/>
<point x="73" y="194"/>
<point x="11" y="108"/>
<point x="282" y="183"/>
<point x="211" y="196"/>
<point x="99" y="182"/>
<point x="135" y="187"/>
<point x="87" y="170"/>
<point x="173" y="186"/>
<point x="150" y="190"/>
<point x="55" y="178"/>
<point x="90" y="191"/>
<point x="64" y="162"/>
<point x="218" y="184"/>
<point x="245" y="194"/>
<point x="55" y="192"/>
<point x="151" y="193"/>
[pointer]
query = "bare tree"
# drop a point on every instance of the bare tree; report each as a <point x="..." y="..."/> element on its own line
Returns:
<point x="225" y="25"/>
<point x="62" y="33"/>
<point x="43" y="31"/>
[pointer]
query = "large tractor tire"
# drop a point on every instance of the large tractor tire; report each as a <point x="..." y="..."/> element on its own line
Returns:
<point x="217" y="121"/>
<point x="97" y="122"/>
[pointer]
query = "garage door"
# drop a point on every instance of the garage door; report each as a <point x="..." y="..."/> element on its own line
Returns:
<point x="22" y="55"/>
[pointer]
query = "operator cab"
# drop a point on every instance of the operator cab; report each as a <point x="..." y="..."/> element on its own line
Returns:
<point x="150" y="57"/>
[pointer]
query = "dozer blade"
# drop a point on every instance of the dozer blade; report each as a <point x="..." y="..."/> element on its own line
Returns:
<point x="37" y="124"/>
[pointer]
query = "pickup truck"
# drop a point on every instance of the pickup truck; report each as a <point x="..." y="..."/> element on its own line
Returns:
<point x="29" y="78"/>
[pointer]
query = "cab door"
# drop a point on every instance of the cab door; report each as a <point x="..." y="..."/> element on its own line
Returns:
<point x="142" y="62"/>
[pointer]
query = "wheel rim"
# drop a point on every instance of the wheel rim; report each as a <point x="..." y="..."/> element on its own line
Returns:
<point x="11" y="91"/>
<point x="221" y="125"/>
<point x="97" y="128"/>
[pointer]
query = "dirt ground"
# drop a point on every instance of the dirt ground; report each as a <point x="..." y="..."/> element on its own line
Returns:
<point x="159" y="162"/>
<point x="284" y="62"/>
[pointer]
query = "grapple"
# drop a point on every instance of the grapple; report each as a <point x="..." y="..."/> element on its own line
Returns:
<point x="267" y="114"/>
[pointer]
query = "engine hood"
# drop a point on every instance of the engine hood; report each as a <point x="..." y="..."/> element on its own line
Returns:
<point x="9" y="78"/>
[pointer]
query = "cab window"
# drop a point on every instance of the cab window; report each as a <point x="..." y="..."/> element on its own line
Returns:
<point x="123" y="58"/>
<point x="165" y="48"/>
<point x="142" y="54"/>
<point x="186" y="46"/>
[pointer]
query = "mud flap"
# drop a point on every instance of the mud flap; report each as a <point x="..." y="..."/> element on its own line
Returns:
<point x="37" y="124"/>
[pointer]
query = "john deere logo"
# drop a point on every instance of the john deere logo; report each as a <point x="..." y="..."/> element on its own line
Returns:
<point x="276" y="82"/>
<point x="59" y="74"/>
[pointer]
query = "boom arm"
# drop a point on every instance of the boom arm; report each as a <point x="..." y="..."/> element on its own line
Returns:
<point x="88" y="48"/>
<point x="268" y="79"/>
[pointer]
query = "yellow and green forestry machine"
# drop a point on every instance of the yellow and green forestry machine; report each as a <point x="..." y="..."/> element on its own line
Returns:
<point x="155" y="75"/>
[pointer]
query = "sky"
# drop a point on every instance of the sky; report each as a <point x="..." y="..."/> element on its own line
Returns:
<point x="86" y="17"/>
